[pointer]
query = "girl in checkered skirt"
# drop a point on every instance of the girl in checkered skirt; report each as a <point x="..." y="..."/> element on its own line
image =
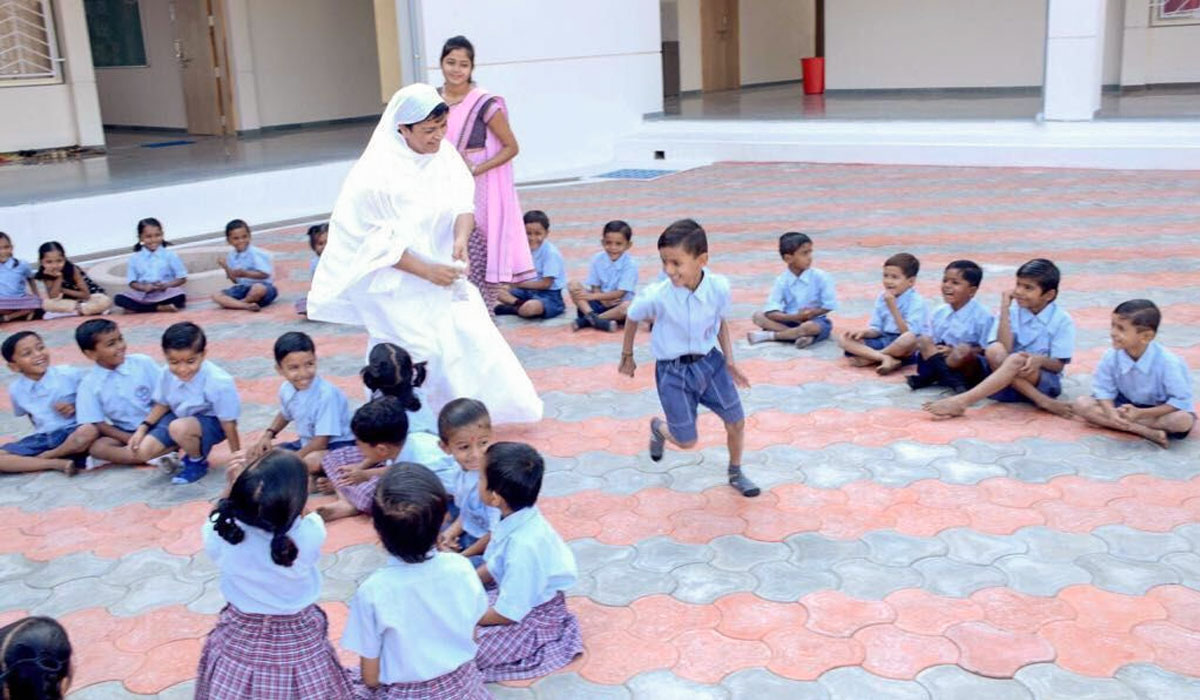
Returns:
<point x="271" y="640"/>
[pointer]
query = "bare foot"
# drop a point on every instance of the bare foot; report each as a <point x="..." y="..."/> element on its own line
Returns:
<point x="167" y="308"/>
<point x="1059" y="408"/>
<point x="803" y="342"/>
<point x="860" y="362"/>
<point x="889" y="365"/>
<point x="338" y="509"/>
<point x="67" y="467"/>
<point x="322" y="484"/>
<point x="1158" y="437"/>
<point x="251" y="306"/>
<point x="945" y="408"/>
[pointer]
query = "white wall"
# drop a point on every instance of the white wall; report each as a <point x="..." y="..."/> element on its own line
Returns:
<point x="934" y="43"/>
<point x="1114" y="35"/>
<point x="774" y="36"/>
<point x="575" y="76"/>
<point x="1173" y="55"/>
<point x="149" y="96"/>
<point x="691" y="76"/>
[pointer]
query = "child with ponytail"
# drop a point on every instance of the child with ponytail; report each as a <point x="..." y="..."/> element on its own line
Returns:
<point x="35" y="660"/>
<point x="390" y="371"/>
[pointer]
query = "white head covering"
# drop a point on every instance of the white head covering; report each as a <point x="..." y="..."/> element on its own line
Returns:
<point x="416" y="101"/>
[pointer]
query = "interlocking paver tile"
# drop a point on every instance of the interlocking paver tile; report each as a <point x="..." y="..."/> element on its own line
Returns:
<point x="894" y="549"/>
<point x="667" y="685"/>
<point x="1049" y="681"/>
<point x="953" y="682"/>
<point x="704" y="582"/>
<point x="971" y="547"/>
<point x="1040" y="577"/>
<point x="866" y="579"/>
<point x="1124" y="576"/>
<point x="1150" y="681"/>
<point x="854" y="683"/>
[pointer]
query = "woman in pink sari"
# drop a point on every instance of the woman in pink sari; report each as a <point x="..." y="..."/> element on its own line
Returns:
<point x="478" y="127"/>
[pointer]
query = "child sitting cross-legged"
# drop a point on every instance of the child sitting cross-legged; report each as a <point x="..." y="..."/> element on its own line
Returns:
<point x="602" y="301"/>
<point x="466" y="432"/>
<point x="540" y="297"/>
<point x="950" y="345"/>
<point x="890" y="338"/>
<point x="248" y="268"/>
<point x="802" y="296"/>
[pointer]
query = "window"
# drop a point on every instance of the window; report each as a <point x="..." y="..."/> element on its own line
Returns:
<point x="115" y="31"/>
<point x="28" y="49"/>
<point x="1167" y="12"/>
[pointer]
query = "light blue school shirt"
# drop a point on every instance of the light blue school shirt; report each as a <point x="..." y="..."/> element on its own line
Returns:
<point x="417" y="619"/>
<point x="250" y="259"/>
<point x="312" y="265"/>
<point x="912" y="308"/>
<point x="253" y="583"/>
<point x="14" y="276"/>
<point x="161" y="265"/>
<point x="321" y="410"/>
<point x="529" y="561"/>
<point x="1050" y="333"/>
<point x="686" y="322"/>
<point x="478" y="519"/>
<point x="423" y="448"/>
<point x="548" y="262"/>
<point x="610" y="275"/>
<point x="210" y="393"/>
<point x="1158" y="377"/>
<point x="36" y="399"/>
<point x="121" y="396"/>
<point x="811" y="289"/>
<point x="970" y="325"/>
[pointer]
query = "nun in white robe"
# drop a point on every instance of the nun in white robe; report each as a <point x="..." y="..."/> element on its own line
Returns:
<point x="399" y="203"/>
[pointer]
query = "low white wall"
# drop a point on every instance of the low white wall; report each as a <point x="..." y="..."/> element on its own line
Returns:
<point x="150" y="95"/>
<point x="1173" y="54"/>
<point x="774" y="35"/>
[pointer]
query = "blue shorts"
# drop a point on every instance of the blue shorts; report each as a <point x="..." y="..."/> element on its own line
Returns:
<point x="1122" y="400"/>
<point x="37" y="443"/>
<point x="1049" y="383"/>
<point x="295" y="445"/>
<point x="692" y="380"/>
<point x="822" y="321"/>
<point x="881" y="342"/>
<point x="211" y="432"/>
<point x="239" y="292"/>
<point x="597" y="307"/>
<point x="552" y="299"/>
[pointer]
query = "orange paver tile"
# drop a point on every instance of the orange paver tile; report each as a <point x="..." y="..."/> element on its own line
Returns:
<point x="610" y="657"/>
<point x="706" y="656"/>
<point x="921" y="612"/>
<point x="746" y="616"/>
<point x="1017" y="612"/>
<point x="1089" y="651"/>
<point x="1105" y="610"/>
<point x="1175" y="648"/>
<point x="837" y="614"/>
<point x="802" y="654"/>
<point x="163" y="625"/>
<point x="165" y="666"/>
<point x="997" y="653"/>
<point x="894" y="653"/>
<point x="661" y="617"/>
<point x="1181" y="603"/>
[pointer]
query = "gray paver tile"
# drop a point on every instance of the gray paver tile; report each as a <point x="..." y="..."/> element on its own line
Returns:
<point x="179" y="691"/>
<point x="558" y="484"/>
<point x="824" y="475"/>
<point x="664" y="685"/>
<point x="572" y="685"/>
<point x="591" y="555"/>
<point x="1127" y="543"/>
<point x="621" y="584"/>
<point x="892" y="548"/>
<point x="357" y="562"/>
<point x="1124" y="576"/>
<point x="737" y="553"/>
<point x="896" y="473"/>
<point x="1051" y="545"/>
<point x="16" y="567"/>
<point x="662" y="554"/>
<point x="78" y="594"/>
<point x="1035" y="470"/>
<point x="702" y="584"/>
<point x="981" y="452"/>
<point x="138" y="565"/>
<point x="954" y="470"/>
<point x="630" y="480"/>
<point x="954" y="683"/>
<point x="761" y="683"/>
<point x="1050" y="681"/>
<point x="17" y="595"/>
<point x="786" y="581"/>
<point x="337" y="589"/>
<point x="505" y="692"/>
<point x="820" y="552"/>
<point x="210" y="601"/>
<point x="853" y="683"/>
<point x="971" y="547"/>
<point x="1150" y="682"/>
<point x="153" y="592"/>
<point x="1191" y="533"/>
<point x="1039" y="577"/>
<point x="945" y="576"/>
<point x="110" y="690"/>
<point x="862" y="578"/>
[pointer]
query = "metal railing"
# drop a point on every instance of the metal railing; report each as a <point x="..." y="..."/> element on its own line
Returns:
<point x="28" y="47"/>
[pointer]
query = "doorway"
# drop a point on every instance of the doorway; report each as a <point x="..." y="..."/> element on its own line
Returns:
<point x="198" y="27"/>
<point x="719" y="45"/>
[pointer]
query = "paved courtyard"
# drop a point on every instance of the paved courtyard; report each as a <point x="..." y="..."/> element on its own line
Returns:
<point x="1009" y="554"/>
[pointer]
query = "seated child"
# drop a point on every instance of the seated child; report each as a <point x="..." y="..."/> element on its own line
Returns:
<point x="46" y="394"/>
<point x="318" y="236"/>
<point x="116" y="395"/>
<point x="802" y="296"/>
<point x="390" y="371"/>
<point x="35" y="659"/>
<point x="688" y="310"/>
<point x="951" y="343"/>
<point x="318" y="409"/>
<point x="603" y="299"/>
<point x="540" y="297"/>
<point x="250" y="270"/>
<point x="271" y="639"/>
<point x="380" y="428"/>
<point x="890" y="338"/>
<point x="66" y="288"/>
<point x="1029" y="347"/>
<point x="412" y="621"/>
<point x="528" y="630"/>
<point x="156" y="275"/>
<point x="1140" y="387"/>
<point x="466" y="432"/>
<point x="19" y="300"/>
<point x="196" y="406"/>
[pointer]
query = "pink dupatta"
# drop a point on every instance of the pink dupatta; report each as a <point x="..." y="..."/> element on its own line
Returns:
<point x="508" y="256"/>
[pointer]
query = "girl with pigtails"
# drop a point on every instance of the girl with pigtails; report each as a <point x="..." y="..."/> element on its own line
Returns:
<point x="35" y="660"/>
<point x="271" y="640"/>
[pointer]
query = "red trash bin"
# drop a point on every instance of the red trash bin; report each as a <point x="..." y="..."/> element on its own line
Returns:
<point x="814" y="75"/>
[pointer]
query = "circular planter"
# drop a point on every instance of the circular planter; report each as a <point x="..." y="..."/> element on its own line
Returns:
<point x="204" y="278"/>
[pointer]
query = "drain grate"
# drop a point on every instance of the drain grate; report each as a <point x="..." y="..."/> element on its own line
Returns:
<point x="635" y="174"/>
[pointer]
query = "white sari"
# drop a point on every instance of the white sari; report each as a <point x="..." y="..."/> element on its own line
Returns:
<point x="396" y="200"/>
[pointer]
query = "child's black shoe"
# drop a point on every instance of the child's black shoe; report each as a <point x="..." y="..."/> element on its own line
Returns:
<point x="600" y="324"/>
<point x="505" y="310"/>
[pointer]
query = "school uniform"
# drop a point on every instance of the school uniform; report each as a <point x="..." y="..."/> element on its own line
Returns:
<point x="610" y="275"/>
<point x="689" y="370"/>
<point x="811" y="289"/>
<point x="532" y="566"/>
<point x="301" y="304"/>
<point x="419" y="448"/>
<point x="913" y="310"/>
<point x="1050" y="333"/>
<point x="251" y="258"/>
<point x="210" y="397"/>
<point x="147" y="266"/>
<point x="478" y="518"/>
<point x="969" y="325"/>
<point x="547" y="262"/>
<point x="321" y="410"/>
<point x="419" y="621"/>
<point x="121" y="396"/>
<point x="14" y="286"/>
<point x="271" y="640"/>
<point x="1156" y="378"/>
<point x="36" y="399"/>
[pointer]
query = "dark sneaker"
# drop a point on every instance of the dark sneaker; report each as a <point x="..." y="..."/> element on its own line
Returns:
<point x="657" y="440"/>
<point x="581" y="322"/>
<point x="601" y="324"/>
<point x="742" y="483"/>
<point x="919" y="381"/>
<point x="191" y="472"/>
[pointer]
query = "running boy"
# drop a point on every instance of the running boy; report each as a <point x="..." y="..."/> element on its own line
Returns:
<point x="1030" y="345"/>
<point x="950" y="345"/>
<point x="688" y="310"/>
<point x="603" y="299"/>
<point x="802" y="296"/>
<point x="1140" y="387"/>
<point x="540" y="297"/>
<point x="890" y="339"/>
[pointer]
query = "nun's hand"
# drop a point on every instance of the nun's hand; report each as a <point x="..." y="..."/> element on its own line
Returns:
<point x="442" y="275"/>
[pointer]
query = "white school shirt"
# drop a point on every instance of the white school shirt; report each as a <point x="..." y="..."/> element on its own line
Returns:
<point x="423" y="448"/>
<point x="253" y="583"/>
<point x="686" y="322"/>
<point x="548" y="262"/>
<point x="321" y="410"/>
<point x="912" y="308"/>
<point x="421" y="420"/>
<point x="971" y="325"/>
<point x="161" y="265"/>
<point x="811" y="289"/>
<point x="13" y="278"/>
<point x="1158" y="377"/>
<point x="417" y="619"/>
<point x="122" y="396"/>
<point x="529" y="561"/>
<point x="1050" y="333"/>
<point x="478" y="519"/>
<point x="610" y="275"/>
<point x="250" y="259"/>
<point x="36" y="399"/>
<point x="210" y="393"/>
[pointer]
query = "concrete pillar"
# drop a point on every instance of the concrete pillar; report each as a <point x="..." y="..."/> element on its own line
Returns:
<point x="79" y="74"/>
<point x="1074" y="59"/>
<point x="241" y="65"/>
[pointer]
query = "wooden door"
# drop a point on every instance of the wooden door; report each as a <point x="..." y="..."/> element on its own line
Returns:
<point x="200" y="51"/>
<point x="720" y="66"/>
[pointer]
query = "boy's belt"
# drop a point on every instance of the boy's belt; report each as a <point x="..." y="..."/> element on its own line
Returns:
<point x="689" y="359"/>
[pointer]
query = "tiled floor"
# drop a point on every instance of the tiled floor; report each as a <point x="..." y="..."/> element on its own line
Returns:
<point x="1007" y="554"/>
